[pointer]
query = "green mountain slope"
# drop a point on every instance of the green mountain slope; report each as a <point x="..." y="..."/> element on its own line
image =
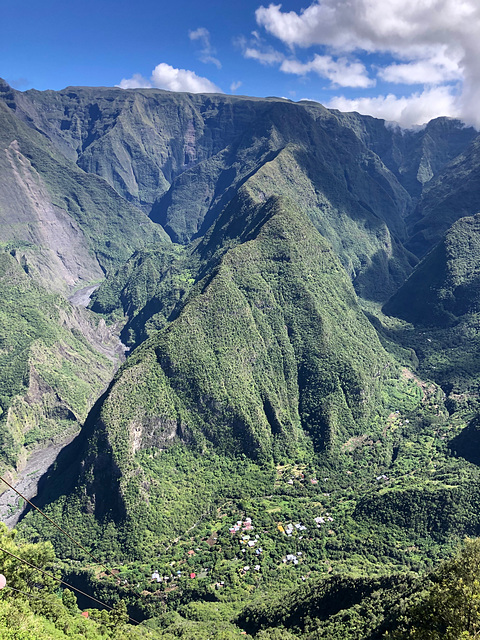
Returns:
<point x="414" y="156"/>
<point x="269" y="357"/>
<point x="182" y="158"/>
<point x="257" y="304"/>
<point x="256" y="387"/>
<point x="54" y="362"/>
<point x="441" y="300"/>
<point x="445" y="286"/>
<point x="146" y="290"/>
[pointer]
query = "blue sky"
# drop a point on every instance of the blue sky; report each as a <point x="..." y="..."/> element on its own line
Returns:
<point x="404" y="60"/>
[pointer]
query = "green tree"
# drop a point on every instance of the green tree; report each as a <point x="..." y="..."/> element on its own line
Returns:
<point x="69" y="600"/>
<point x="118" y="615"/>
<point x="450" y="608"/>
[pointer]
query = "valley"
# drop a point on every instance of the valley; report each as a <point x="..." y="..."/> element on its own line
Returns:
<point x="238" y="349"/>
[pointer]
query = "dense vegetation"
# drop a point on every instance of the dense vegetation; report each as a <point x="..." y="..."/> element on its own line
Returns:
<point x="277" y="457"/>
<point x="440" y="302"/>
<point x="181" y="158"/>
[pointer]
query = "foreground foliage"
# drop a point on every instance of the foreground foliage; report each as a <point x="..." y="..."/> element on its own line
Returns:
<point x="441" y="604"/>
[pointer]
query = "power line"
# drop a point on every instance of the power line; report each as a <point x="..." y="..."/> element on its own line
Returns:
<point x="49" y="575"/>
<point x="78" y="544"/>
<point x="29" y="595"/>
<point x="56" y="525"/>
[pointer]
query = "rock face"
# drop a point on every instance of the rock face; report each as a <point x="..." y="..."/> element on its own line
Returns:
<point x="54" y="362"/>
<point x="451" y="195"/>
<point x="66" y="226"/>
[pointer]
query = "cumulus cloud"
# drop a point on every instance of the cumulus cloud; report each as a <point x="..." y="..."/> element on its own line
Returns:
<point x="433" y="42"/>
<point x="235" y="85"/>
<point x="137" y="81"/>
<point x="438" y="69"/>
<point x="340" y="72"/>
<point x="207" y="52"/>
<point x="164" y="76"/>
<point x="408" y="111"/>
<point x="371" y="25"/>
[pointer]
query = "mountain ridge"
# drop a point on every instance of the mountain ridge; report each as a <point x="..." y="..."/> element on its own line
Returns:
<point x="218" y="141"/>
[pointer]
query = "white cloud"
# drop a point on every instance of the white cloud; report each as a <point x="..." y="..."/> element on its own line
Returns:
<point x="235" y="85"/>
<point x="207" y="53"/>
<point x="391" y="25"/>
<point x="267" y="57"/>
<point x="167" y="77"/>
<point x="408" y="111"/>
<point x="438" y="69"/>
<point x="200" y="34"/>
<point x="256" y="49"/>
<point x="137" y="81"/>
<point x="433" y="42"/>
<point x="340" y="72"/>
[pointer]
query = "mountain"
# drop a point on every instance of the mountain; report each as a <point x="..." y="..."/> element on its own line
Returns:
<point x="69" y="227"/>
<point x="181" y="158"/>
<point x="146" y="290"/>
<point x="449" y="196"/>
<point x="414" y="156"/>
<point x="62" y="229"/>
<point x="255" y="363"/>
<point x="270" y="425"/>
<point x="445" y="286"/>
<point x="441" y="300"/>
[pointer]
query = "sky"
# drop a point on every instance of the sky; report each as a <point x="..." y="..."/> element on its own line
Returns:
<point x="406" y="61"/>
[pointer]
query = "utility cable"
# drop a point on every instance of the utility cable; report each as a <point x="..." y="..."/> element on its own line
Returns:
<point x="49" y="575"/>
<point x="29" y="595"/>
<point x="57" y="526"/>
